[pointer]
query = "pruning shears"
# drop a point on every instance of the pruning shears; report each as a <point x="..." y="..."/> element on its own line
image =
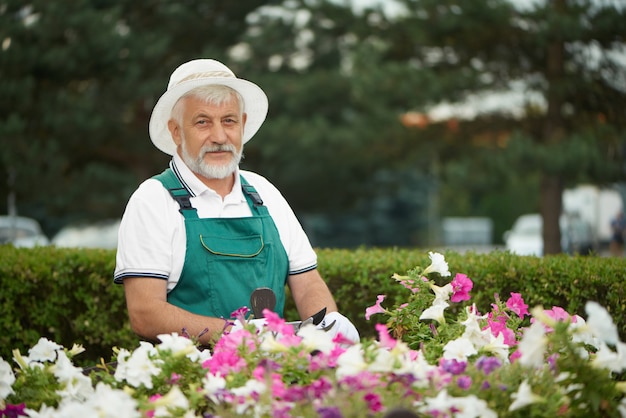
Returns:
<point x="264" y="298"/>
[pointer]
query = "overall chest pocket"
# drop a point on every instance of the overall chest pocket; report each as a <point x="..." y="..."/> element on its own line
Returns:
<point x="243" y="247"/>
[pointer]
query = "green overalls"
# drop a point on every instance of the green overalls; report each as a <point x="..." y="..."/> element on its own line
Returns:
<point x="227" y="258"/>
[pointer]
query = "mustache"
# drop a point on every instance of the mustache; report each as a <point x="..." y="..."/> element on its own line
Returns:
<point x="218" y="148"/>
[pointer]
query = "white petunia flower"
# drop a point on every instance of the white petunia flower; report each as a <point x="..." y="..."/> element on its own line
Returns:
<point x="351" y="362"/>
<point x="459" y="349"/>
<point x="213" y="385"/>
<point x="7" y="378"/>
<point x="473" y="331"/>
<point x="78" y="388"/>
<point x="472" y="407"/>
<point x="270" y="344"/>
<point x="314" y="338"/>
<point x="105" y="402"/>
<point x="533" y="345"/>
<point x="497" y="346"/>
<point x="607" y="358"/>
<point x="76" y="349"/>
<point x="137" y="368"/>
<point x="442" y="293"/>
<point x="581" y="333"/>
<point x="44" y="412"/>
<point x="248" y="395"/>
<point x="63" y="369"/>
<point x="524" y="397"/>
<point x="72" y="409"/>
<point x="438" y="264"/>
<point x="44" y="350"/>
<point x="601" y="324"/>
<point x="395" y="360"/>
<point x="421" y="369"/>
<point x="442" y="402"/>
<point x="251" y="387"/>
<point x="463" y="407"/>
<point x="113" y="403"/>
<point x="170" y="403"/>
<point x="435" y="312"/>
<point x="385" y="362"/>
<point x="178" y="345"/>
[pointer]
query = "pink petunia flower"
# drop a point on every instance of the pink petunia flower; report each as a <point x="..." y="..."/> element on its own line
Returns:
<point x="461" y="286"/>
<point x="498" y="326"/>
<point x="277" y="324"/>
<point x="376" y="308"/>
<point x="385" y="339"/>
<point x="558" y="314"/>
<point x="153" y="398"/>
<point x="225" y="363"/>
<point x="517" y="305"/>
<point x="515" y="355"/>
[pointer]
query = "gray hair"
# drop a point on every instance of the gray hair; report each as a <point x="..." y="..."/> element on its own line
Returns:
<point x="216" y="94"/>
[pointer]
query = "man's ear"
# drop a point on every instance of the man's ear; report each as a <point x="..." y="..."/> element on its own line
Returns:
<point x="174" y="129"/>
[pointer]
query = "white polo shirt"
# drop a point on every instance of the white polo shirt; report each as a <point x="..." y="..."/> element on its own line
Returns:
<point x="152" y="238"/>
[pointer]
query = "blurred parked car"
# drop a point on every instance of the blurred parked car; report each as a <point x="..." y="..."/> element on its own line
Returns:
<point x="21" y="232"/>
<point x="525" y="237"/>
<point x="101" y="234"/>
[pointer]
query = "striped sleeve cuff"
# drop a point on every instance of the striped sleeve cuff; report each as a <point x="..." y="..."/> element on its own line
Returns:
<point x="119" y="278"/>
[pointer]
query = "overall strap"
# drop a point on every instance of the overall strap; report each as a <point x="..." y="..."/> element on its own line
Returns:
<point x="252" y="196"/>
<point x="179" y="193"/>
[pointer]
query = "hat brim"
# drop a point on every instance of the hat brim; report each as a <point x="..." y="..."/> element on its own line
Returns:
<point x="255" y="107"/>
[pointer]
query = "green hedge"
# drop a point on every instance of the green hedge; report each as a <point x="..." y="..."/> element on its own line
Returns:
<point x="68" y="295"/>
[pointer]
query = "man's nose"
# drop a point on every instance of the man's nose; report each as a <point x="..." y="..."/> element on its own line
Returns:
<point x="218" y="134"/>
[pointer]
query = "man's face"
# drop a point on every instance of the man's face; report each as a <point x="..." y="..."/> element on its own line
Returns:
<point x="209" y="139"/>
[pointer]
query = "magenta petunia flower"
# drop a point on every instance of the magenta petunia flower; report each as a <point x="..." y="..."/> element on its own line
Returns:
<point x="517" y="305"/>
<point x="453" y="366"/>
<point x="374" y="402"/>
<point x="15" y="410"/>
<point x="464" y="382"/>
<point x="376" y="308"/>
<point x="240" y="313"/>
<point x="461" y="286"/>
<point x="488" y="364"/>
<point x="329" y="412"/>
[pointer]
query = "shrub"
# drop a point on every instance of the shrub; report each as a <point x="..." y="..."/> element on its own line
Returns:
<point x="68" y="295"/>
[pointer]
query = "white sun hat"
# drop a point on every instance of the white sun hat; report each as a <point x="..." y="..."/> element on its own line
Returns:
<point x="201" y="72"/>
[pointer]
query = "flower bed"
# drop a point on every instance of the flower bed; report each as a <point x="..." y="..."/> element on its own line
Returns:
<point x="435" y="355"/>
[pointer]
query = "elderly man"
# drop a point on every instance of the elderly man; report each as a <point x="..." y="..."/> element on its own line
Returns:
<point x="198" y="239"/>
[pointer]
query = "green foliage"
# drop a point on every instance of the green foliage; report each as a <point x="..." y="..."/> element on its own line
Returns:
<point x="68" y="295"/>
<point x="63" y="294"/>
<point x="357" y="276"/>
<point x="549" y="366"/>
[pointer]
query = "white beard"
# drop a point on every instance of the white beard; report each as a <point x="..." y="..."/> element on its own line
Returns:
<point x="199" y="166"/>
